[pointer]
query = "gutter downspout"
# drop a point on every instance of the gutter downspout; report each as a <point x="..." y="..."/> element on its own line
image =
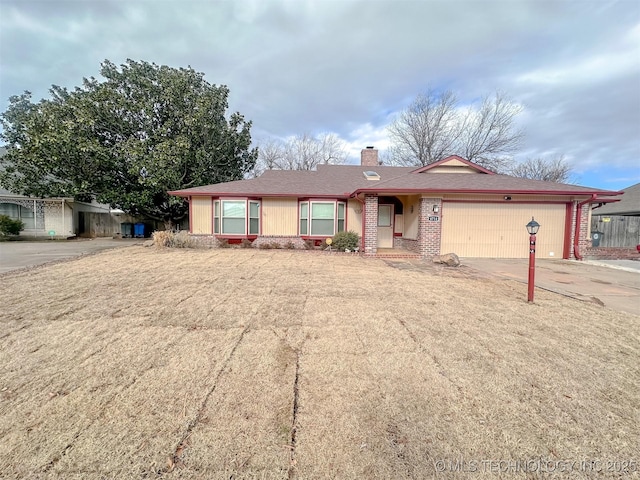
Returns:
<point x="363" y="222"/>
<point x="576" y="237"/>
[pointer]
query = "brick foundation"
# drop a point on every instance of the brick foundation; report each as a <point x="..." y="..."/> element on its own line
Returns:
<point x="204" y="241"/>
<point x="406" y="243"/>
<point x="283" y="240"/>
<point x="611" y="253"/>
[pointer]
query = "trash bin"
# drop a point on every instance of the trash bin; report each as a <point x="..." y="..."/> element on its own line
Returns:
<point x="596" y="238"/>
<point x="138" y="230"/>
<point x="126" y="229"/>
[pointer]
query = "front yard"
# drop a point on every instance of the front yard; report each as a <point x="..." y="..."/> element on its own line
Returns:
<point x="206" y="364"/>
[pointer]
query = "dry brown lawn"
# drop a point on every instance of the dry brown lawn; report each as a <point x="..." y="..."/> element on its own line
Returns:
<point x="207" y="364"/>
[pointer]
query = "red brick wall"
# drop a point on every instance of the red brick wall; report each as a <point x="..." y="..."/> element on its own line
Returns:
<point x="369" y="157"/>
<point x="583" y="242"/>
<point x="371" y="224"/>
<point x="429" y="231"/>
<point x="612" y="253"/>
<point x="572" y="233"/>
<point x="282" y="240"/>
<point x="406" y="243"/>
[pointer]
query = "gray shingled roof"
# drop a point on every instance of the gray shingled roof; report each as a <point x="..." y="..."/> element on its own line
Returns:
<point x="629" y="203"/>
<point x="345" y="180"/>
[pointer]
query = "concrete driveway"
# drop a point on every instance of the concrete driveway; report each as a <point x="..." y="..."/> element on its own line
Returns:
<point x="611" y="283"/>
<point x="20" y="254"/>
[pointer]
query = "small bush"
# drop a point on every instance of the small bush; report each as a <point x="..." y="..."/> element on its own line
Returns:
<point x="345" y="241"/>
<point x="275" y="245"/>
<point x="223" y="243"/>
<point x="289" y="245"/>
<point x="265" y="246"/>
<point x="171" y="239"/>
<point x="246" y="243"/>
<point x="9" y="226"/>
<point x="309" y="244"/>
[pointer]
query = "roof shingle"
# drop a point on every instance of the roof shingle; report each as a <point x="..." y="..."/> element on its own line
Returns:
<point x="346" y="180"/>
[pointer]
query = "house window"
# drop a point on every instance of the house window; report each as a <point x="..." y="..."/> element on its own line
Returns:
<point x="322" y="219"/>
<point x="340" y="226"/>
<point x="254" y="218"/>
<point x="230" y="217"/>
<point x="304" y="218"/>
<point x="18" y="212"/>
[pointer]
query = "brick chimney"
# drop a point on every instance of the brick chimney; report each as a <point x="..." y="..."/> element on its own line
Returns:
<point x="369" y="157"/>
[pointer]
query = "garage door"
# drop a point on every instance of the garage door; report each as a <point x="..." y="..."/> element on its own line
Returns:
<point x="498" y="230"/>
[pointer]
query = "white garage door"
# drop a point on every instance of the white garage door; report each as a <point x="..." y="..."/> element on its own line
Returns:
<point x="498" y="230"/>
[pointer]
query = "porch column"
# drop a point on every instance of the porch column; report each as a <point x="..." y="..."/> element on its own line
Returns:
<point x="429" y="227"/>
<point x="583" y="240"/>
<point x="370" y="240"/>
<point x="572" y="229"/>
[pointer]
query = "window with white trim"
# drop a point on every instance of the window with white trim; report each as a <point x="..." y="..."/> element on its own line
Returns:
<point x="322" y="219"/>
<point x="254" y="218"/>
<point x="18" y="212"/>
<point x="236" y="217"/>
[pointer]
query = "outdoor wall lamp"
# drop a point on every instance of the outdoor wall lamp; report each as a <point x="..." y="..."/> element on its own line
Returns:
<point x="436" y="209"/>
<point x="532" y="228"/>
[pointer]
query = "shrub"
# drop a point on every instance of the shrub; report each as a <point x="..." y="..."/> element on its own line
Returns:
<point x="223" y="243"/>
<point x="345" y="241"/>
<point x="309" y="244"/>
<point x="265" y="246"/>
<point x="170" y="239"/>
<point x="275" y="245"/>
<point x="289" y="245"/>
<point x="9" y="226"/>
<point x="182" y="239"/>
<point x="246" y="243"/>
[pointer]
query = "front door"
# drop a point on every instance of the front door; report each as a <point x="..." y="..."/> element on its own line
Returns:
<point x="385" y="226"/>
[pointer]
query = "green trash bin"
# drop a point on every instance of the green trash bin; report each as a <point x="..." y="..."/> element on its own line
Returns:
<point x="126" y="229"/>
<point x="596" y="238"/>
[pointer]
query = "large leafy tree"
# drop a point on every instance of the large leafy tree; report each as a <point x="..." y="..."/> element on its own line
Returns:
<point x="127" y="140"/>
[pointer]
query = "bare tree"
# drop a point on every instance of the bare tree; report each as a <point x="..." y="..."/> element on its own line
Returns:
<point x="435" y="126"/>
<point x="270" y="156"/>
<point x="551" y="170"/>
<point x="302" y="152"/>
<point x="487" y="135"/>
<point x="426" y="131"/>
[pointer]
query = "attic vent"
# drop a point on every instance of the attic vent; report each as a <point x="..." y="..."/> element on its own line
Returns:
<point x="371" y="175"/>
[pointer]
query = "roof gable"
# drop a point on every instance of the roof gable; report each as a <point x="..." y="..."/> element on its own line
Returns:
<point x="453" y="164"/>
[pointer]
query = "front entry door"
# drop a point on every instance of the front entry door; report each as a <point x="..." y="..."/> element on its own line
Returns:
<point x="385" y="226"/>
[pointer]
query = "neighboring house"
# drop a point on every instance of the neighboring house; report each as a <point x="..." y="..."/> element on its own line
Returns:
<point x="617" y="224"/>
<point x="41" y="216"/>
<point x="59" y="217"/>
<point x="449" y="206"/>
<point x="628" y="204"/>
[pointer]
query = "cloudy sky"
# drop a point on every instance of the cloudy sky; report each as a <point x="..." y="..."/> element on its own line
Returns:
<point x="347" y="66"/>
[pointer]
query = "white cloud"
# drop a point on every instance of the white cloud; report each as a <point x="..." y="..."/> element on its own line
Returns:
<point x="348" y="66"/>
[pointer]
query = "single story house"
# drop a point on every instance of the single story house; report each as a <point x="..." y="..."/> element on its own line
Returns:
<point x="449" y="206"/>
<point x="60" y="217"/>
<point x="41" y="216"/>
<point x="617" y="224"/>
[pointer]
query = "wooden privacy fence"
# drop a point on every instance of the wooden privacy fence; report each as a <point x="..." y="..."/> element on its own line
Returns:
<point x="615" y="231"/>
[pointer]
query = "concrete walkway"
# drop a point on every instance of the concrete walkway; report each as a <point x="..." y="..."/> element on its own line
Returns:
<point x="612" y="285"/>
<point x="20" y="254"/>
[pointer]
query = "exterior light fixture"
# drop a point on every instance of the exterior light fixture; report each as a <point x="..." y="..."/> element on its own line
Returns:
<point x="436" y="209"/>
<point x="532" y="229"/>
